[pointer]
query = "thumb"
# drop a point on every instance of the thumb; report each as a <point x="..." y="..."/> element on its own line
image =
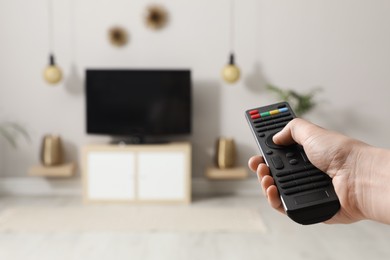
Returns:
<point x="296" y="131"/>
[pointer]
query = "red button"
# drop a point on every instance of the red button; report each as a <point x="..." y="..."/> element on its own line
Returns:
<point x="252" y="112"/>
<point x="255" y="116"/>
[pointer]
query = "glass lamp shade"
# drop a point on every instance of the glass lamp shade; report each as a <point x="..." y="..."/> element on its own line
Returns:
<point x="231" y="73"/>
<point x="52" y="73"/>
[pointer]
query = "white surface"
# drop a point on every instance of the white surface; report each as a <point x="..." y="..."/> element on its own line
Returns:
<point x="342" y="46"/>
<point x="132" y="219"/>
<point x="111" y="175"/>
<point x="162" y="175"/>
<point x="39" y="186"/>
<point x="360" y="241"/>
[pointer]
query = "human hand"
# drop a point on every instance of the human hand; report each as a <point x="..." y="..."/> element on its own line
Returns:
<point x="331" y="152"/>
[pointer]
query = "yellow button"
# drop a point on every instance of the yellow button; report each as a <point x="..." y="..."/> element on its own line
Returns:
<point x="274" y="112"/>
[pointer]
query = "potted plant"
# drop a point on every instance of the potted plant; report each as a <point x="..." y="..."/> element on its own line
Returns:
<point x="301" y="103"/>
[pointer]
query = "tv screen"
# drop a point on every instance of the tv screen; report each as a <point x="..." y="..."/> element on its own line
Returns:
<point x="138" y="102"/>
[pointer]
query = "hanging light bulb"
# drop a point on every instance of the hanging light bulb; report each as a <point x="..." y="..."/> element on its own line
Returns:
<point x="52" y="73"/>
<point x="231" y="72"/>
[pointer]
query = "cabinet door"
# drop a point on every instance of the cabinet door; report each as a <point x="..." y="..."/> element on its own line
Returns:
<point x="110" y="175"/>
<point x="162" y="176"/>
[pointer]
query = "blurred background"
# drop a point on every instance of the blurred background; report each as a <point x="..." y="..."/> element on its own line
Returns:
<point x="339" y="47"/>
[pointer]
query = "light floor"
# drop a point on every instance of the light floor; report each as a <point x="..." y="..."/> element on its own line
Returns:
<point x="282" y="240"/>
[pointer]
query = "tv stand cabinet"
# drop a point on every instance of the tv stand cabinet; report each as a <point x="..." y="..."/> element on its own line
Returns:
<point x="137" y="173"/>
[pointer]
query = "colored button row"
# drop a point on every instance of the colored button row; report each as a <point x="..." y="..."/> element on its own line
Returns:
<point x="255" y="113"/>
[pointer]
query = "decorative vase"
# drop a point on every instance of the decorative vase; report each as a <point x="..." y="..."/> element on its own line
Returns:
<point x="51" y="152"/>
<point x="225" y="153"/>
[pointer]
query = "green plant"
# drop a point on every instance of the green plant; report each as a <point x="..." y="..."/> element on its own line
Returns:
<point x="301" y="103"/>
<point x="12" y="132"/>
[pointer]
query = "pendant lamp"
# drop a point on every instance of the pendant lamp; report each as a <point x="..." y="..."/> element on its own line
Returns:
<point x="52" y="73"/>
<point x="231" y="72"/>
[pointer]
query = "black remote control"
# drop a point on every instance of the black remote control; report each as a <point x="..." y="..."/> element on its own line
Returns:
<point x="307" y="194"/>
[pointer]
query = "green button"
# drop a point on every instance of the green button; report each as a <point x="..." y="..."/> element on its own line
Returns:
<point x="265" y="114"/>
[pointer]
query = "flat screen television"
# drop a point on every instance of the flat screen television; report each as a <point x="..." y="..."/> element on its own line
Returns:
<point x="138" y="102"/>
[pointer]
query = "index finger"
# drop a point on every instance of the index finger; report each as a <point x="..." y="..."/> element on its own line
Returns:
<point x="254" y="161"/>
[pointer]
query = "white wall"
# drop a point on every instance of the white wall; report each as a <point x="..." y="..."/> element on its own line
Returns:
<point x="342" y="46"/>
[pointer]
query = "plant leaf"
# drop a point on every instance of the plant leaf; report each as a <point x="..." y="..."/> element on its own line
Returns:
<point x="8" y="136"/>
<point x="301" y="103"/>
<point x="21" y="131"/>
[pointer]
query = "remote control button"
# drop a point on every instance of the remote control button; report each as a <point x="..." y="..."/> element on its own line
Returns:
<point x="293" y="177"/>
<point x="292" y="190"/>
<point x="252" y="112"/>
<point x="270" y="143"/>
<point x="272" y="127"/>
<point x="274" y="112"/>
<point x="288" y="172"/>
<point x="293" y="162"/>
<point x="265" y="123"/>
<point x="285" y="173"/>
<point x="309" y="166"/>
<point x="272" y="122"/>
<point x="261" y="135"/>
<point x="311" y="179"/>
<point x="269" y="152"/>
<point x="313" y="196"/>
<point x="322" y="183"/>
<point x="288" y="184"/>
<point x="299" y="175"/>
<point x="264" y="114"/>
<point x="283" y="119"/>
<point x="263" y="119"/>
<point x="280" y="125"/>
<point x="302" y="181"/>
<point x="290" y="155"/>
<point x="286" y="178"/>
<point x="278" y="163"/>
<point x="255" y="116"/>
<point x="306" y="187"/>
<point x="307" y="174"/>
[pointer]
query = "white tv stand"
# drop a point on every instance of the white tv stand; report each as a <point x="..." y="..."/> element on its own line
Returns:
<point x="137" y="173"/>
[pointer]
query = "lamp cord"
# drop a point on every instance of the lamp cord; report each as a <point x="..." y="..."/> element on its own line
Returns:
<point x="50" y="25"/>
<point x="232" y="26"/>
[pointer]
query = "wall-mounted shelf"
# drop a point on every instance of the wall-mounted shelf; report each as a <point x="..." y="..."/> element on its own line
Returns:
<point x="63" y="170"/>
<point x="235" y="173"/>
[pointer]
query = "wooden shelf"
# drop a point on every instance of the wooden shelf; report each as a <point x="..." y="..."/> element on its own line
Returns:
<point x="64" y="170"/>
<point x="235" y="173"/>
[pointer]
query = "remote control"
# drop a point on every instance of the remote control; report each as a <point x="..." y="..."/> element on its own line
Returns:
<point x="307" y="194"/>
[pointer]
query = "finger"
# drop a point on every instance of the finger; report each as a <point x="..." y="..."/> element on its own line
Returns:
<point x="296" y="131"/>
<point x="274" y="199"/>
<point x="262" y="170"/>
<point x="266" y="181"/>
<point x="254" y="162"/>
